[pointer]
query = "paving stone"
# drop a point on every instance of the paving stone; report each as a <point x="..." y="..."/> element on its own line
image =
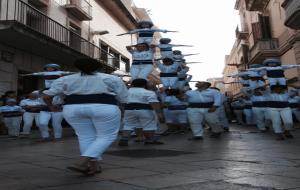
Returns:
<point x="160" y="181"/>
<point x="215" y="186"/>
<point x="123" y="173"/>
<point x="102" y="185"/>
<point x="216" y="174"/>
<point x="276" y="182"/>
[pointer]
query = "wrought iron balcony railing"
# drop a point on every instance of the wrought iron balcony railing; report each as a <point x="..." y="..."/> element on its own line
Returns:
<point x="26" y="15"/>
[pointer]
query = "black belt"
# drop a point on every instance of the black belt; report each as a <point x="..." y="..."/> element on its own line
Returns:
<point x="177" y="107"/>
<point x="278" y="104"/>
<point x="238" y="108"/>
<point x="275" y="73"/>
<point x="294" y="105"/>
<point x="168" y="75"/>
<point x="260" y="104"/>
<point x="91" y="99"/>
<point x="257" y="78"/>
<point x="51" y="77"/>
<point x="201" y="105"/>
<point x="142" y="62"/>
<point x="165" y="49"/>
<point x="45" y="108"/>
<point x="38" y="111"/>
<point x="146" y="34"/>
<point x="137" y="106"/>
<point x="12" y="114"/>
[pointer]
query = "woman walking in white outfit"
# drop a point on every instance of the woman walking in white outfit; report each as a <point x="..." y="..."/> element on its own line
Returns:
<point x="91" y="109"/>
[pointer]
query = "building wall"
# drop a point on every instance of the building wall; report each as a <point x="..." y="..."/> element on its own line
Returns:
<point x="28" y="62"/>
<point x="103" y="20"/>
<point x="288" y="45"/>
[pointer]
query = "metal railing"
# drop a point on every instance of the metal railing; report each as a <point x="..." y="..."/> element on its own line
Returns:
<point x="84" y="5"/>
<point x="21" y="12"/>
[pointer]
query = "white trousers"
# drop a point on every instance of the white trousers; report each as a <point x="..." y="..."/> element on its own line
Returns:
<point x="196" y="117"/>
<point x="144" y="119"/>
<point x="13" y="125"/>
<point x="175" y="116"/>
<point x="275" y="81"/>
<point x="147" y="40"/>
<point x="296" y="113"/>
<point x="222" y="117"/>
<point x="278" y="114"/>
<point x="239" y="115"/>
<point x="28" y="118"/>
<point x="44" y="119"/>
<point x="169" y="82"/>
<point x="249" y="116"/>
<point x="141" y="71"/>
<point x="260" y="115"/>
<point x="166" y="53"/>
<point x="96" y="125"/>
<point x="180" y="84"/>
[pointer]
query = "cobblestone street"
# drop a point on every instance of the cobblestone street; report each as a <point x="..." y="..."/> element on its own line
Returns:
<point x="241" y="159"/>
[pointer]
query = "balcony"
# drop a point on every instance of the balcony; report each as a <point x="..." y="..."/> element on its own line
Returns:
<point x="39" y="3"/>
<point x="292" y="11"/>
<point x="81" y="9"/>
<point x="241" y="35"/>
<point x="256" y="5"/>
<point x="26" y="28"/>
<point x="263" y="49"/>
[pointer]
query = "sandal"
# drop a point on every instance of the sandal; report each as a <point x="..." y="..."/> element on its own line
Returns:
<point x="78" y="168"/>
<point x="94" y="168"/>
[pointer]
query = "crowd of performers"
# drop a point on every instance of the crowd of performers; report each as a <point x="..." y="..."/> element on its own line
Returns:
<point x="101" y="106"/>
<point x="267" y="100"/>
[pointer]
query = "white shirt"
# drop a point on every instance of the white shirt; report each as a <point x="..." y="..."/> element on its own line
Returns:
<point x="11" y="109"/>
<point x="183" y="72"/>
<point x="30" y="103"/>
<point x="167" y="68"/>
<point x="141" y="95"/>
<point x="284" y="97"/>
<point x="295" y="99"/>
<point x="204" y="96"/>
<point x="173" y="101"/>
<point x="142" y="55"/>
<point x="99" y="83"/>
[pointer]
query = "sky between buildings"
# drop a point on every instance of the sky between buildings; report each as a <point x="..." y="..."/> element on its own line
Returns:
<point x="208" y="25"/>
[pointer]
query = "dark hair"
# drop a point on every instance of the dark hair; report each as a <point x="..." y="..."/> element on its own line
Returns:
<point x="87" y="66"/>
<point x="283" y="87"/>
<point x="139" y="83"/>
<point x="9" y="92"/>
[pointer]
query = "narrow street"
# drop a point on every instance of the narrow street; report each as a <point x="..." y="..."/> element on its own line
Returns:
<point x="241" y="159"/>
